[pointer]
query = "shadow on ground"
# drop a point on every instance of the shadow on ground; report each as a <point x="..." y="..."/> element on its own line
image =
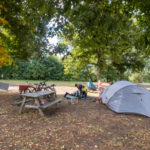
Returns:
<point x="85" y="126"/>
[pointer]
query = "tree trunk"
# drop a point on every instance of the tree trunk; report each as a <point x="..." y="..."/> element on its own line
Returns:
<point x="98" y="66"/>
<point x="119" y="75"/>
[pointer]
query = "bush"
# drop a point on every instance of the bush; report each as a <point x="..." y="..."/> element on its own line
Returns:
<point x="136" y="77"/>
<point x="49" y="68"/>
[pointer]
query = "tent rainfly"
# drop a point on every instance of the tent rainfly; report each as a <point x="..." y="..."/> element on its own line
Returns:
<point x="126" y="97"/>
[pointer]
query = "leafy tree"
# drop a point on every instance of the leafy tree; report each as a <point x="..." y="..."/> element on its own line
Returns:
<point x="96" y="27"/>
<point x="4" y="57"/>
<point x="26" y="24"/>
<point x="102" y="33"/>
<point x="140" y="11"/>
<point x="79" y="69"/>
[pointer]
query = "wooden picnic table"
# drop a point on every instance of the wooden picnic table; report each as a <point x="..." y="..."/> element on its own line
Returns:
<point x="35" y="100"/>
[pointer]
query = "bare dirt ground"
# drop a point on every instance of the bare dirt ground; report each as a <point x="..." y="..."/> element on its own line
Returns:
<point x="83" y="126"/>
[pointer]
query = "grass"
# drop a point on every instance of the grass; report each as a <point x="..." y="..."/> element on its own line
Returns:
<point x="60" y="83"/>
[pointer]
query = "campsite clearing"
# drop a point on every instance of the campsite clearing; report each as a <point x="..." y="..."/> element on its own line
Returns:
<point x="84" y="126"/>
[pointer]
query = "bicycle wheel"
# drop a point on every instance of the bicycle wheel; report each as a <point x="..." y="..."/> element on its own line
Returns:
<point x="29" y="90"/>
<point x="51" y="89"/>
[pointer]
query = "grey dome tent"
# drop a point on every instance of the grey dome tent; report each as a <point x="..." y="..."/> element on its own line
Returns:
<point x="126" y="97"/>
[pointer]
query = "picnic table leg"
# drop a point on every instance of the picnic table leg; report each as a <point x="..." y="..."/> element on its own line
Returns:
<point x="22" y="105"/>
<point x="56" y="105"/>
<point x="54" y="96"/>
<point x="39" y="109"/>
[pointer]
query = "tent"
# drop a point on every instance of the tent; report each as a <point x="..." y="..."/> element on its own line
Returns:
<point x="126" y="97"/>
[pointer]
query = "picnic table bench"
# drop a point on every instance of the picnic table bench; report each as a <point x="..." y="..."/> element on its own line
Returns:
<point x="35" y="99"/>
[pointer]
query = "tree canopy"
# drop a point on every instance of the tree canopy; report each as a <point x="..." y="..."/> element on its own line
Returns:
<point x="24" y="26"/>
<point x="4" y="57"/>
<point x="112" y="34"/>
<point x="105" y="30"/>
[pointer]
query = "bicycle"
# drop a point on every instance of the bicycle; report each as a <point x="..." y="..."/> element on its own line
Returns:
<point x="30" y="88"/>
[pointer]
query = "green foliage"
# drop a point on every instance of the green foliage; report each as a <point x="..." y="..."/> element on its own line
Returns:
<point x="53" y="68"/>
<point x="35" y="71"/>
<point x="110" y="74"/>
<point x="142" y="16"/>
<point x="79" y="69"/>
<point x="24" y="26"/>
<point x="101" y="33"/>
<point x="142" y="76"/>
<point x="111" y="35"/>
<point x="136" y="77"/>
<point x="48" y="68"/>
